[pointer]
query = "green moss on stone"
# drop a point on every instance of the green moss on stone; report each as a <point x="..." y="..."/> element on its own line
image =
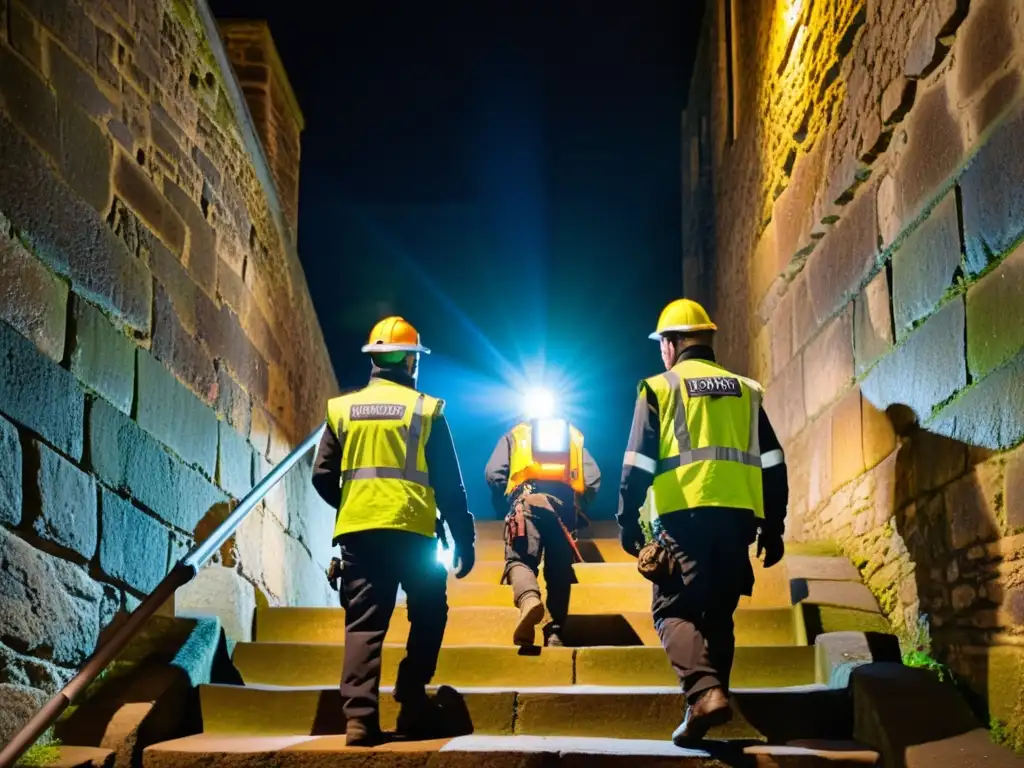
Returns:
<point x="45" y="751"/>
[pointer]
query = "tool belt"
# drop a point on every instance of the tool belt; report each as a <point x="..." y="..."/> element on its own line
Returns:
<point x="657" y="562"/>
<point x="515" y="521"/>
<point x="334" y="573"/>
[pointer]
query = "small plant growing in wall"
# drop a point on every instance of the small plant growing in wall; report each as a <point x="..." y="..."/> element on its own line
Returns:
<point x="918" y="651"/>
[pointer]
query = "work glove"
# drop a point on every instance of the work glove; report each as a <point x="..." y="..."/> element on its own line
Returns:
<point x="465" y="558"/>
<point x="771" y="544"/>
<point x="632" y="540"/>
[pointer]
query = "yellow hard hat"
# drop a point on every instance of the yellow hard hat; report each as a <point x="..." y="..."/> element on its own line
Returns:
<point x="683" y="316"/>
<point x="394" y="334"/>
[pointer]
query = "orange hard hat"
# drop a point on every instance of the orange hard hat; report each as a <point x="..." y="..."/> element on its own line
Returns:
<point x="394" y="334"/>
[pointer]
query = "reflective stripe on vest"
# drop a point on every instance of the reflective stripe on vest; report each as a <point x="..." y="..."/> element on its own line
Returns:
<point x="688" y="455"/>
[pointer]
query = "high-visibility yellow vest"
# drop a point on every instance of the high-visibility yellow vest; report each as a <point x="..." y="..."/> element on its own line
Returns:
<point x="567" y="468"/>
<point x="384" y="474"/>
<point x="708" y="454"/>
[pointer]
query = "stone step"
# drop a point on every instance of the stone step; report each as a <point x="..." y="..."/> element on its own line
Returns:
<point x="490" y="572"/>
<point x="494" y="626"/>
<point x="776" y="715"/>
<point x="316" y="664"/>
<point x="210" y="751"/>
<point x="772" y="592"/>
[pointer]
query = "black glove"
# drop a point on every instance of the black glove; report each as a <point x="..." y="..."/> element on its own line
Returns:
<point x="465" y="558"/>
<point x="771" y="544"/>
<point x="632" y="540"/>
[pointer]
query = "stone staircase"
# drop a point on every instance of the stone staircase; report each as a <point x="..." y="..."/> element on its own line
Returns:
<point x="610" y="698"/>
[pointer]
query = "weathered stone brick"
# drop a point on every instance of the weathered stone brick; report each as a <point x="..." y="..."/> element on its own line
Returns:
<point x="897" y="99"/>
<point x="70" y="235"/>
<point x="924" y="266"/>
<point x="984" y="43"/>
<point x="992" y="190"/>
<point x="933" y="21"/>
<point x="75" y="84"/>
<point x="223" y="593"/>
<point x="780" y="333"/>
<point x="10" y="474"/>
<point x="134" y="546"/>
<point x="179" y="350"/>
<point x="175" y="416"/>
<point x="233" y="403"/>
<point x="805" y="324"/>
<point x="819" y="468"/>
<point x="31" y="105"/>
<point x="838" y="267"/>
<point x="971" y="518"/>
<point x="794" y="208"/>
<point x="67" y="503"/>
<point x="125" y="457"/>
<point x="927" y="369"/>
<point x="135" y="188"/>
<point x="234" y="463"/>
<point x="69" y="22"/>
<point x="879" y="435"/>
<point x="998" y="100"/>
<point x="206" y="167"/>
<point x="783" y="402"/>
<point x="39" y="394"/>
<point x="48" y="606"/>
<point x="220" y="330"/>
<point x="995" y="316"/>
<point x="86" y="154"/>
<point x="929" y="155"/>
<point x="167" y="136"/>
<point x="201" y="259"/>
<point x="847" y="439"/>
<point x="828" y="364"/>
<point x="32" y="299"/>
<point x="24" y="34"/>
<point x="872" y="323"/>
<point x="102" y="357"/>
<point x="1013" y="493"/>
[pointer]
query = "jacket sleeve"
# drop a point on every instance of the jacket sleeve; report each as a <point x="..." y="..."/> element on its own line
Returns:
<point x="327" y="467"/>
<point x="591" y="479"/>
<point x="496" y="474"/>
<point x="446" y="480"/>
<point x="774" y="477"/>
<point x="640" y="460"/>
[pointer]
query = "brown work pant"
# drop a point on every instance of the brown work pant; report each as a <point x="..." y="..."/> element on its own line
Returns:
<point x="693" y="611"/>
<point x="544" y="542"/>
<point x="376" y="563"/>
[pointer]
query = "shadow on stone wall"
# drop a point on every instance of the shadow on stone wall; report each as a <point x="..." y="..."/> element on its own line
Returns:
<point x="957" y="578"/>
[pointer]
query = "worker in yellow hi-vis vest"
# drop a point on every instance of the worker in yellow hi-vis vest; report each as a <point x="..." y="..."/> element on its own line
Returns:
<point x="703" y="464"/>
<point x="387" y="463"/>
<point x="542" y="480"/>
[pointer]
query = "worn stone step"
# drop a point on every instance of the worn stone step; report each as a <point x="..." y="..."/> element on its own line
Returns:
<point x="490" y="572"/>
<point x="494" y="626"/>
<point x="776" y="715"/>
<point x="209" y="751"/>
<point x="314" y="664"/>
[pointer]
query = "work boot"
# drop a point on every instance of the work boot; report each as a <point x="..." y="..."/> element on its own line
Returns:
<point x="531" y="612"/>
<point x="420" y="719"/>
<point x="363" y="733"/>
<point x="554" y="640"/>
<point x="709" y="709"/>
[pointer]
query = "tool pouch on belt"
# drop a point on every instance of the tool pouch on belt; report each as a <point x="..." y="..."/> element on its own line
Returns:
<point x="334" y="573"/>
<point x="515" y="523"/>
<point x="655" y="562"/>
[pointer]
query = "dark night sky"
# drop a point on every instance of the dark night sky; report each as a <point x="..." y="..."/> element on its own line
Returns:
<point x="506" y="176"/>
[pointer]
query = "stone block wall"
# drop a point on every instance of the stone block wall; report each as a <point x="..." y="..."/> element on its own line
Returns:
<point x="859" y="167"/>
<point x="159" y="350"/>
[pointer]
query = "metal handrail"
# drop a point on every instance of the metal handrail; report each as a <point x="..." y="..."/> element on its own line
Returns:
<point x="182" y="573"/>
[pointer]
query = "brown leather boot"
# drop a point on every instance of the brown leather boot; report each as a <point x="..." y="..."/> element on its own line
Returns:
<point x="531" y="611"/>
<point x="363" y="733"/>
<point x="711" y="708"/>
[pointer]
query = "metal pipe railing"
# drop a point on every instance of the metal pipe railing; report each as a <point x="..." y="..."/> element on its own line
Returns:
<point x="182" y="573"/>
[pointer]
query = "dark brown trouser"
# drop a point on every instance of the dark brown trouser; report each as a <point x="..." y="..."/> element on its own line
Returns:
<point x="693" y="612"/>
<point x="375" y="564"/>
<point x="544" y="541"/>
